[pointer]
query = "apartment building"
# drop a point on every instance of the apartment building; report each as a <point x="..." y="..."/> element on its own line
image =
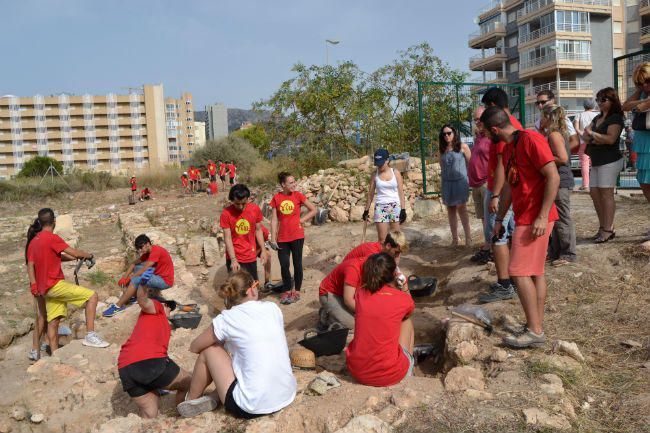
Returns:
<point x="199" y="134"/>
<point x="216" y="121"/>
<point x="179" y="124"/>
<point x="116" y="133"/>
<point x="566" y="46"/>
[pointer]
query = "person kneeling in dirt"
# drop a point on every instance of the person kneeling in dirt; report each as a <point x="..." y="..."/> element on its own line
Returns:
<point x="337" y="292"/>
<point x="244" y="352"/>
<point x="145" y="194"/>
<point x="154" y="269"/>
<point x="394" y="244"/>
<point x="381" y="352"/>
<point x="143" y="363"/>
<point x="46" y="278"/>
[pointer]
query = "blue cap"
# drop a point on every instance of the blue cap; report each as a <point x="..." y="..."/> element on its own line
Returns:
<point x="381" y="156"/>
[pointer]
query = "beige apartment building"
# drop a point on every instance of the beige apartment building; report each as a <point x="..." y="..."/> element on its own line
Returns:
<point x="566" y="46"/>
<point x="179" y="124"/>
<point x="116" y="133"/>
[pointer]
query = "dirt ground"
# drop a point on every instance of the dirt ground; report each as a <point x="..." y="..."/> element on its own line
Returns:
<point x="598" y="303"/>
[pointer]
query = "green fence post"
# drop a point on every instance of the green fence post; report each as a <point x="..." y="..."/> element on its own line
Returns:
<point x="422" y="141"/>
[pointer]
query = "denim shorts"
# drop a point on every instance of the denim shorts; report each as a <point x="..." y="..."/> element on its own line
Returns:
<point x="411" y="359"/>
<point x="490" y="220"/>
<point x="149" y="279"/>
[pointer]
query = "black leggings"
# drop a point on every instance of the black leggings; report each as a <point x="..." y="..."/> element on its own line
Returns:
<point x="293" y="248"/>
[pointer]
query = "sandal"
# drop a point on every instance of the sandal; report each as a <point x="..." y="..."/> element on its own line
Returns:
<point x="597" y="235"/>
<point x="601" y="239"/>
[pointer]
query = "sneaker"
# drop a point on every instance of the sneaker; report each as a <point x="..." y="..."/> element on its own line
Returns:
<point x="285" y="299"/>
<point x="479" y="255"/>
<point x="421" y="352"/>
<point x="94" y="340"/>
<point x="45" y="348"/>
<point x="112" y="310"/>
<point x="515" y="328"/>
<point x="500" y="293"/>
<point x="133" y="300"/>
<point x="32" y="355"/>
<point x="294" y="297"/>
<point x="488" y="257"/>
<point x="190" y="408"/>
<point x="527" y="339"/>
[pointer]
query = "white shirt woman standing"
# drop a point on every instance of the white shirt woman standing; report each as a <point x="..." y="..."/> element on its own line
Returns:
<point x="387" y="190"/>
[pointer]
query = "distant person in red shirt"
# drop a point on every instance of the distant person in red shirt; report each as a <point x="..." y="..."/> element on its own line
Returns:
<point x="287" y="230"/>
<point x="336" y="294"/>
<point x="222" y="174"/>
<point x="232" y="172"/>
<point x="213" y="189"/>
<point x="193" y="178"/>
<point x="145" y="194"/>
<point x="381" y="352"/>
<point x="134" y="187"/>
<point x="185" y="183"/>
<point x="153" y="269"/>
<point x="212" y="170"/>
<point x="143" y="363"/>
<point x="242" y="228"/>
<point x="533" y="182"/>
<point x="45" y="251"/>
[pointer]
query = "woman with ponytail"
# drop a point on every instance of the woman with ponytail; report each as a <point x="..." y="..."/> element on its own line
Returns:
<point x="244" y="352"/>
<point x="40" y="327"/>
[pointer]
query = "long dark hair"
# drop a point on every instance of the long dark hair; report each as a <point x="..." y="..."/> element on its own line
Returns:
<point x="443" y="143"/>
<point x="45" y="218"/>
<point x="378" y="270"/>
<point x="610" y="93"/>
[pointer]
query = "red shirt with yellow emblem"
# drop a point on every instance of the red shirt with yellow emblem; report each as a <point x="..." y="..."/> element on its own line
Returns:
<point x="242" y="230"/>
<point x="288" y="210"/>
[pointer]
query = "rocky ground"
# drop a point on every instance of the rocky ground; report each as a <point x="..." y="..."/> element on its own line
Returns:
<point x="600" y="303"/>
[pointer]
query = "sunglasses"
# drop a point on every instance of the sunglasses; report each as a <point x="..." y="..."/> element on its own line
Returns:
<point x="603" y="100"/>
<point x="541" y="102"/>
<point x="448" y="133"/>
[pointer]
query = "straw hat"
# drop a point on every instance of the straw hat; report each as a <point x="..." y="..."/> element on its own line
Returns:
<point x="302" y="358"/>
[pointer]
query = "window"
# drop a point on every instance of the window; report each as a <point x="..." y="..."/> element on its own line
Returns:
<point x="513" y="66"/>
<point x="39" y="107"/>
<point x="189" y="111"/>
<point x="618" y="27"/>
<point x="88" y="105"/>
<point x="41" y="129"/>
<point x="512" y="16"/>
<point x="512" y="41"/>
<point x="64" y="117"/>
<point x="188" y="102"/>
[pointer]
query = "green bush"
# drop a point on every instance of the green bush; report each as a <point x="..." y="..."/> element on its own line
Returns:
<point x="236" y="149"/>
<point x="38" y="165"/>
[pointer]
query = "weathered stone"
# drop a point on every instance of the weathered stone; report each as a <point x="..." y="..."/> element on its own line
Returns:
<point x="111" y="264"/>
<point x="356" y="213"/>
<point x="465" y="352"/>
<point x="262" y="425"/>
<point x="211" y="251"/>
<point x="339" y="215"/>
<point x="323" y="383"/>
<point x="462" y="378"/>
<point x="18" y="413"/>
<point x="499" y="355"/>
<point x="553" y="385"/>
<point x="366" y="424"/>
<point x="65" y="227"/>
<point x="479" y="395"/>
<point x="194" y="252"/>
<point x="563" y="363"/>
<point x="570" y="349"/>
<point x="37" y="418"/>
<point x="538" y="417"/>
<point x="5" y="426"/>
<point x="645" y="246"/>
<point x="426" y="208"/>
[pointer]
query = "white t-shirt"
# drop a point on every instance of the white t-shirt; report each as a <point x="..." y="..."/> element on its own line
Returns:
<point x="584" y="120"/>
<point x="253" y="334"/>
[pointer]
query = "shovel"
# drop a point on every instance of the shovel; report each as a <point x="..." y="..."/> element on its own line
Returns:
<point x="473" y="320"/>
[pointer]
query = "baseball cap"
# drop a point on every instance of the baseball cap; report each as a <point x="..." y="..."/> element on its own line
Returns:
<point x="381" y="156"/>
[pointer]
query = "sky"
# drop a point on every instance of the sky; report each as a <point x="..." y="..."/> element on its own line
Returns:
<point x="233" y="52"/>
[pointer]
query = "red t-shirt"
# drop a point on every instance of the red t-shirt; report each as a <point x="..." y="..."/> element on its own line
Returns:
<point x="184" y="181"/>
<point x="364" y="250"/>
<point x="162" y="262"/>
<point x="288" y="210"/>
<point x="531" y="153"/>
<point x="45" y="252"/>
<point x="374" y="356"/>
<point x="149" y="339"/>
<point x="213" y="187"/>
<point x="222" y="169"/>
<point x="497" y="149"/>
<point x="134" y="185"/>
<point x="145" y="191"/>
<point x="232" y="170"/>
<point x="192" y="174"/>
<point x="347" y="272"/>
<point x="212" y="169"/>
<point x="242" y="230"/>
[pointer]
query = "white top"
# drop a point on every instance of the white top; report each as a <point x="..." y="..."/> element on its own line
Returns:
<point x="585" y="118"/>
<point x="253" y="334"/>
<point x="386" y="190"/>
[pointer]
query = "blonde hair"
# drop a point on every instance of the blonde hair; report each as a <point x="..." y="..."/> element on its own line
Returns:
<point x="641" y="74"/>
<point x="397" y="239"/>
<point x="557" y="116"/>
<point x="235" y="288"/>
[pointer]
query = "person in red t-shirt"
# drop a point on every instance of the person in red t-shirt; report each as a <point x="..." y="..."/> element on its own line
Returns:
<point x="212" y="170"/>
<point x="222" y="174"/>
<point x="242" y="229"/>
<point x="45" y="251"/>
<point x="154" y="269"/>
<point x="533" y="182"/>
<point x="395" y="244"/>
<point x="185" y="183"/>
<point x="381" y="352"/>
<point x="232" y="172"/>
<point x="143" y="363"/>
<point x="213" y="189"/>
<point x="192" y="173"/>
<point x="134" y="187"/>
<point x="287" y="230"/>
<point x="145" y="194"/>
<point x="502" y="289"/>
<point x="336" y="294"/>
<point x="267" y="265"/>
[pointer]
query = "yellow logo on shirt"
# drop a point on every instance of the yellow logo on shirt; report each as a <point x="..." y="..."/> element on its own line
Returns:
<point x="242" y="227"/>
<point x="286" y="207"/>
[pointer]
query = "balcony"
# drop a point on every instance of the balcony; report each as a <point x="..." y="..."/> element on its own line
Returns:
<point x="491" y="77"/>
<point x="645" y="35"/>
<point x="488" y="36"/>
<point x="566" y="89"/>
<point x="492" y="8"/>
<point x="644" y="8"/>
<point x="540" y="7"/>
<point x="553" y="62"/>
<point x="490" y="59"/>
<point x="560" y="29"/>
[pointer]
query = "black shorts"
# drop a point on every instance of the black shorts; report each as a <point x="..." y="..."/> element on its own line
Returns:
<point x="222" y="178"/>
<point x="149" y="375"/>
<point x="250" y="267"/>
<point x="213" y="178"/>
<point x="231" y="405"/>
<point x="232" y="180"/>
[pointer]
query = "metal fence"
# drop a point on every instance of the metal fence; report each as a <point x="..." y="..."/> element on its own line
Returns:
<point x="440" y="103"/>
<point x="623" y="69"/>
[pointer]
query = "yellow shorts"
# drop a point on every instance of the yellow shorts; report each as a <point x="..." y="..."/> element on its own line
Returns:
<point x="63" y="293"/>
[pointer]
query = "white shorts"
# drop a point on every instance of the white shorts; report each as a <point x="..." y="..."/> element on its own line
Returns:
<point x="387" y="213"/>
<point x="604" y="176"/>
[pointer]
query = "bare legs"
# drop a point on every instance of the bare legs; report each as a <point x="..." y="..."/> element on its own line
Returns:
<point x="212" y="365"/>
<point x="452" y="214"/>
<point x="53" y="326"/>
<point x="128" y="293"/>
<point x="532" y="294"/>
<point x="382" y="231"/>
<point x="605" y="206"/>
<point x="148" y="403"/>
<point x="407" y="335"/>
<point x="40" y="328"/>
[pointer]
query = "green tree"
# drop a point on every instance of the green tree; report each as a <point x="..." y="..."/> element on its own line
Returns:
<point x="255" y="135"/>
<point x="38" y="165"/>
<point x="228" y="148"/>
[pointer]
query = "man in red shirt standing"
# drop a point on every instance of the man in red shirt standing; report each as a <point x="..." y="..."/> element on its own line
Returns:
<point x="242" y="229"/>
<point x="192" y="174"/>
<point x="533" y="182"/>
<point x="154" y="269"/>
<point x="44" y="251"/>
<point x="336" y="293"/>
<point x="134" y="188"/>
<point x="232" y="172"/>
<point x="212" y="170"/>
<point x="222" y="174"/>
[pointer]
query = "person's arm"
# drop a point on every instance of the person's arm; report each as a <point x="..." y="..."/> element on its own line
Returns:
<point x="400" y="189"/>
<point x="145" y="303"/>
<point x="549" y="171"/>
<point x="274" y="224"/>
<point x="348" y="297"/>
<point x="259" y="237"/>
<point x="574" y="143"/>
<point x="504" y="204"/>
<point x="145" y="265"/>
<point x="371" y="194"/>
<point x="634" y="101"/>
<point x="556" y="141"/>
<point x="613" y="132"/>
<point x="66" y="258"/>
<point x="31" y="273"/>
<point x="77" y="254"/>
<point x="230" y="248"/>
<point x="467" y="152"/>
<point x="311" y="212"/>
<point x="576" y="125"/>
<point x="205" y="339"/>
<point x="499" y="181"/>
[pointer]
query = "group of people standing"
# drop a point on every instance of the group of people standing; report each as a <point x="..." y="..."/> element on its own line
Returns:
<point x="192" y="178"/>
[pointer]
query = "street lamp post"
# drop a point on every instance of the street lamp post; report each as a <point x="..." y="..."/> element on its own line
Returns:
<point x="327" y="43"/>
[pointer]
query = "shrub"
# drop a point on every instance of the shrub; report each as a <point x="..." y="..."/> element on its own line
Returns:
<point x="236" y="149"/>
<point x="38" y="165"/>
